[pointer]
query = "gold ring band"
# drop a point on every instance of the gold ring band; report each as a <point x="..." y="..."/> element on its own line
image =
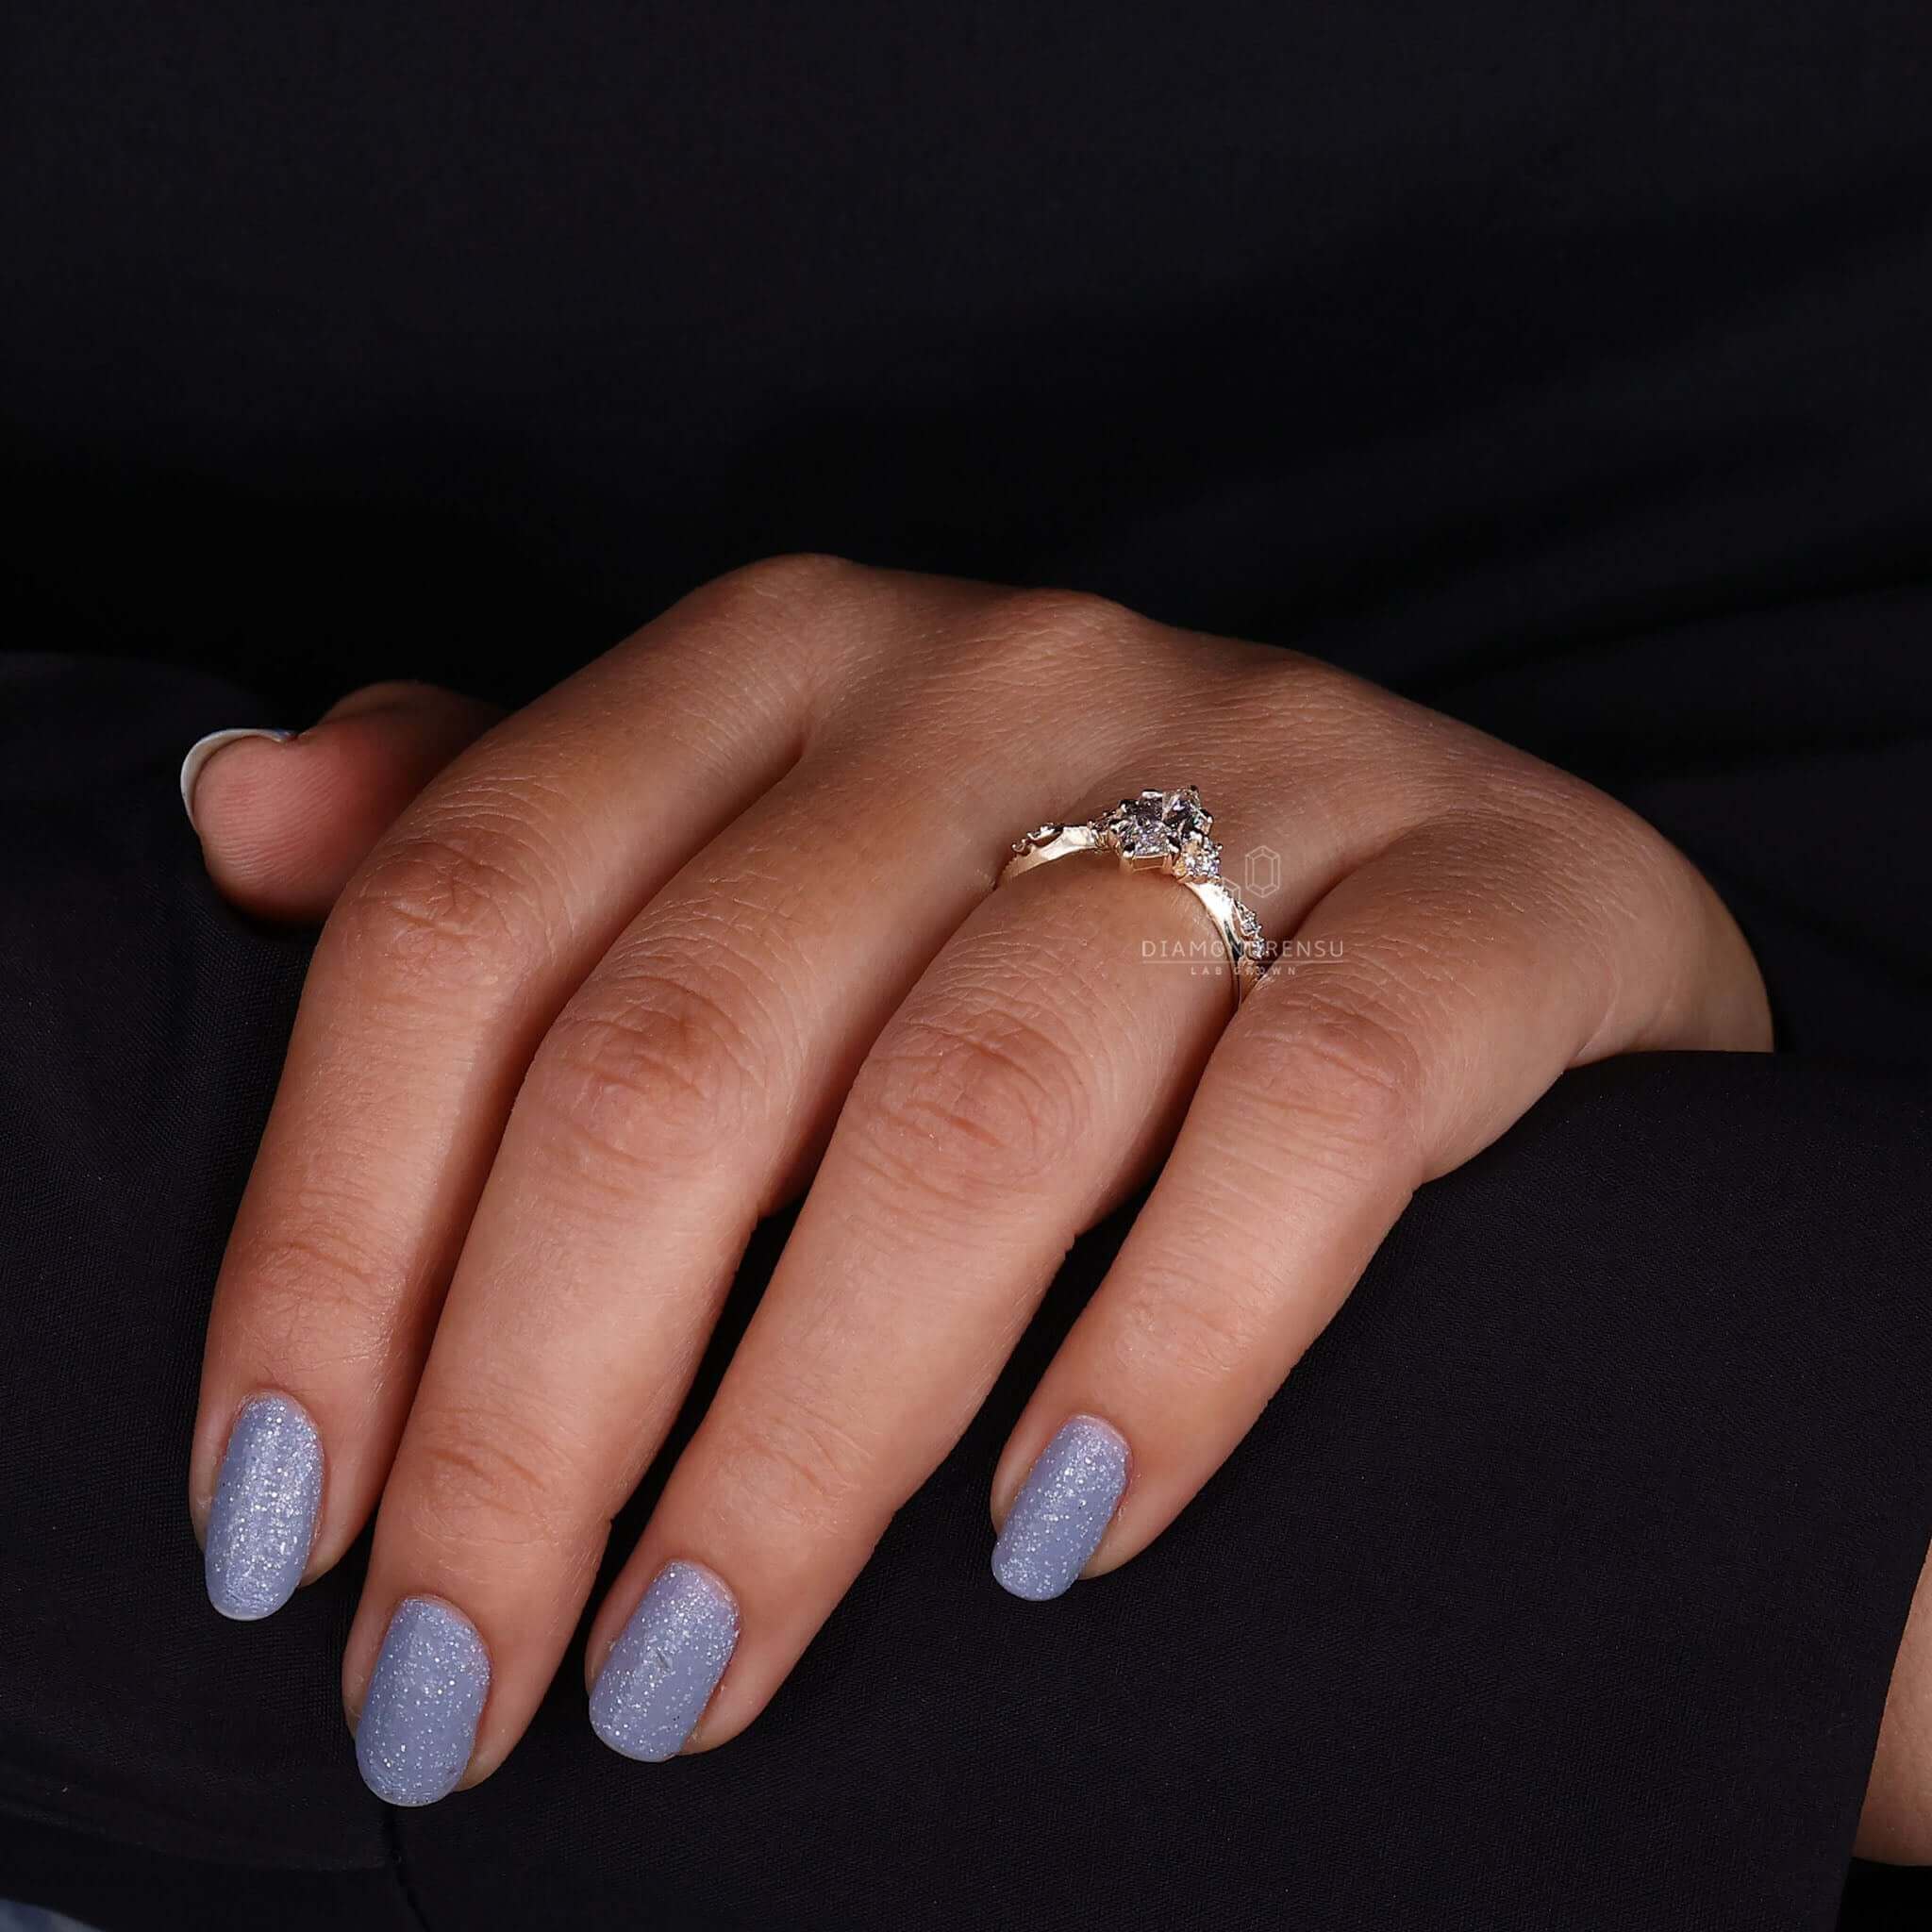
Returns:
<point x="1165" y="832"/>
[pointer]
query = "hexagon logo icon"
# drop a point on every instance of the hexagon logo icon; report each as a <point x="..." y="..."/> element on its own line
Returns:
<point x="1261" y="873"/>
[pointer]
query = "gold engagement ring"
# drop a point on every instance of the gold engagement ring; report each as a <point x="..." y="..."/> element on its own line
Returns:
<point x="1165" y="832"/>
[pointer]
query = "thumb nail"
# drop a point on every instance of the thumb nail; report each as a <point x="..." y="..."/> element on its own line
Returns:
<point x="204" y="749"/>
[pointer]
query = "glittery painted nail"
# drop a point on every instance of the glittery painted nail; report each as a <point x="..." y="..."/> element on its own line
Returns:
<point x="204" y="749"/>
<point x="662" y="1672"/>
<point x="263" y="1516"/>
<point x="418" y="1720"/>
<point x="1060" y="1515"/>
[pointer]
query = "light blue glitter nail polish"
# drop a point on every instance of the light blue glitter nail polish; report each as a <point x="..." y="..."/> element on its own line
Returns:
<point x="418" y="1720"/>
<point x="263" y="1516"/>
<point x="662" y="1672"/>
<point x="1063" y="1511"/>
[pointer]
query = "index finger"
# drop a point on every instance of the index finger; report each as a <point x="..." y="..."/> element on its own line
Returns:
<point x="443" y="963"/>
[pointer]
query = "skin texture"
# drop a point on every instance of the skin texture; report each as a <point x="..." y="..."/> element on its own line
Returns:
<point x="711" y="925"/>
<point x="1896" y="1827"/>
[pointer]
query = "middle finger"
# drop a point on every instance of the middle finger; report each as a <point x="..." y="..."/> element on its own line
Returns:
<point x="683" y="1086"/>
<point x="1034" y="1077"/>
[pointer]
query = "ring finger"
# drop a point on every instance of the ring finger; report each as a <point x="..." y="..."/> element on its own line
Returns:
<point x="1035" y="1074"/>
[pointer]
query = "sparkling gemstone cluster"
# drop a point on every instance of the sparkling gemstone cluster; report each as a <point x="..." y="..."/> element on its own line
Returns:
<point x="1168" y="829"/>
<point x="1254" y="940"/>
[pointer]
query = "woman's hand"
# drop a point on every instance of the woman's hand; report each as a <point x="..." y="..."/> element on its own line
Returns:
<point x="711" y="925"/>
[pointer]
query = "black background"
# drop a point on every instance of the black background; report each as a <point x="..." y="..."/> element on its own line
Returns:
<point x="1568" y="366"/>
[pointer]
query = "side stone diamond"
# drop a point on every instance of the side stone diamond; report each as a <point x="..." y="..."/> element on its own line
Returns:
<point x="1254" y="942"/>
<point x="1200" y="859"/>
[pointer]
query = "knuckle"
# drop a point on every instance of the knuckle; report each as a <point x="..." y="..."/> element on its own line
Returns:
<point x="1341" y="1082"/>
<point x="1044" y="609"/>
<point x="313" y="1293"/>
<point x="658" y="1067"/>
<point x="803" y="613"/>
<point x="1608" y="862"/>
<point x="457" y="905"/>
<point x="1174" y="1329"/>
<point x="774" y="586"/>
<point x="796" y="1466"/>
<point x="1063" y="627"/>
<point x="483" y="1475"/>
<point x="1010" y="658"/>
<point x="969" y="1107"/>
<point x="1394" y="759"/>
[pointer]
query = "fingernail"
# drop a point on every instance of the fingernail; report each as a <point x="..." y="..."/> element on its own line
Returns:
<point x="418" y="1720"/>
<point x="1062" y="1512"/>
<point x="662" y="1672"/>
<point x="263" y="1517"/>
<point x="204" y="749"/>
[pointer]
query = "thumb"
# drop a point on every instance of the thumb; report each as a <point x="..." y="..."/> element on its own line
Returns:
<point x="284" y="819"/>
